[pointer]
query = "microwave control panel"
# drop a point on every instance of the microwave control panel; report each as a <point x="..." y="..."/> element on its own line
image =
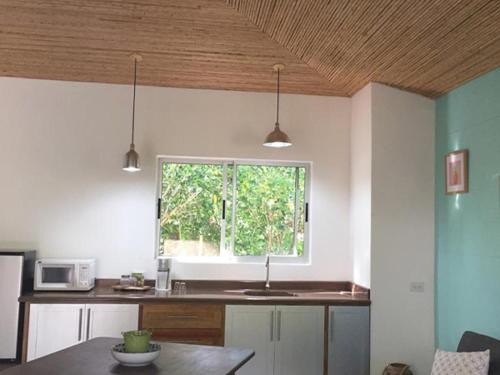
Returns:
<point x="84" y="275"/>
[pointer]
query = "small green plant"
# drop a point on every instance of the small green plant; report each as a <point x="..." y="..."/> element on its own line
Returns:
<point x="136" y="341"/>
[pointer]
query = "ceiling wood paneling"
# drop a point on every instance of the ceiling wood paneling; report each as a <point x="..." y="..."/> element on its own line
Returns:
<point x="329" y="47"/>
<point x="185" y="43"/>
<point x="426" y="46"/>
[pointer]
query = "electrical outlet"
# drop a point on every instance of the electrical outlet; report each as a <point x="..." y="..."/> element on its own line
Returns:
<point x="417" y="287"/>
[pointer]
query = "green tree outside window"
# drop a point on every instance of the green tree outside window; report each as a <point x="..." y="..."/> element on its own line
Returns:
<point x="231" y="208"/>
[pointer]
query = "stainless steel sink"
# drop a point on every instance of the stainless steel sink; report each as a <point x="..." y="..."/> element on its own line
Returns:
<point x="342" y="293"/>
<point x="268" y="293"/>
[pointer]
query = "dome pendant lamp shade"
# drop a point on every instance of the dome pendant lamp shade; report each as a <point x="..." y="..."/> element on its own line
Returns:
<point x="131" y="163"/>
<point x="277" y="138"/>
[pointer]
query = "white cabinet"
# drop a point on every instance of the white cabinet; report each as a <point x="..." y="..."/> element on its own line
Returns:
<point x="111" y="320"/>
<point x="300" y="340"/>
<point x="53" y="327"/>
<point x="286" y="339"/>
<point x="252" y="327"/>
<point x="349" y="340"/>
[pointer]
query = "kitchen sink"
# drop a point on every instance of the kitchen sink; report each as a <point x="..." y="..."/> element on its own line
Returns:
<point x="341" y="293"/>
<point x="268" y="293"/>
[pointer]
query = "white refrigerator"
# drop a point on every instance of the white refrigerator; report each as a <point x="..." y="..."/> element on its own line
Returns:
<point x="16" y="278"/>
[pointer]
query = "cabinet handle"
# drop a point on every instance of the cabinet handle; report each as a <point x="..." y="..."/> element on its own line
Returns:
<point x="331" y="326"/>
<point x="80" y="320"/>
<point x="182" y="317"/>
<point x="272" y="326"/>
<point x="88" y="324"/>
<point x="278" y="324"/>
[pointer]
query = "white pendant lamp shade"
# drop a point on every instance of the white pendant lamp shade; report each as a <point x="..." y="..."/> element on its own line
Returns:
<point x="131" y="163"/>
<point x="277" y="138"/>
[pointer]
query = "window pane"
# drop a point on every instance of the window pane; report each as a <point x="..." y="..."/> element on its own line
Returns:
<point x="191" y="209"/>
<point x="266" y="221"/>
<point x="301" y="210"/>
<point x="229" y="210"/>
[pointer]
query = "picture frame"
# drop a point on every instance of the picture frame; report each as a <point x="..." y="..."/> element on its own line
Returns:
<point x="457" y="172"/>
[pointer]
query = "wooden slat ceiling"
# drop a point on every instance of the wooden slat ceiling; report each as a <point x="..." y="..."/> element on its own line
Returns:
<point x="426" y="46"/>
<point x="184" y="43"/>
<point x="329" y="47"/>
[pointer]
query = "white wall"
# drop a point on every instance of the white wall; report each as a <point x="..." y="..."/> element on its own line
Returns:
<point x="361" y="184"/>
<point x="402" y="231"/>
<point x="62" y="190"/>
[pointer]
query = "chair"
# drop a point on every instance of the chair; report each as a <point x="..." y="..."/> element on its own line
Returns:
<point x="474" y="342"/>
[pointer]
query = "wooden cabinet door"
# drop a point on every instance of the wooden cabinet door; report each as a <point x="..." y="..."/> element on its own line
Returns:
<point x="252" y="327"/>
<point x="110" y="320"/>
<point x="53" y="327"/>
<point x="189" y="323"/>
<point x="349" y="340"/>
<point x="299" y="340"/>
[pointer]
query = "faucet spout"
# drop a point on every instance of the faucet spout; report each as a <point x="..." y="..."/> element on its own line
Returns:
<point x="268" y="285"/>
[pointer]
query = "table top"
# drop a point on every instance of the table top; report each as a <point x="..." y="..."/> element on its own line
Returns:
<point x="94" y="358"/>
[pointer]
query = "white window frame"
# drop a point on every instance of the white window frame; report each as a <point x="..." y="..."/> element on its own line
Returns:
<point x="224" y="259"/>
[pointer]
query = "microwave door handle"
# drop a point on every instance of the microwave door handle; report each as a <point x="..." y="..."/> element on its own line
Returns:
<point x="72" y="276"/>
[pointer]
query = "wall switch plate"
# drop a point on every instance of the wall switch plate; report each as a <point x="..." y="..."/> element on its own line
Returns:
<point x="417" y="287"/>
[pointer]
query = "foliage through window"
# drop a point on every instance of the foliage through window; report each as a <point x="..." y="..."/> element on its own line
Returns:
<point x="231" y="208"/>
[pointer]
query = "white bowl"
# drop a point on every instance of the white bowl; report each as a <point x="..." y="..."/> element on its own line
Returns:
<point x="135" y="359"/>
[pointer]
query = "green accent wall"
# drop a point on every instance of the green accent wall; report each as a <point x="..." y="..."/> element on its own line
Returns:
<point x="468" y="225"/>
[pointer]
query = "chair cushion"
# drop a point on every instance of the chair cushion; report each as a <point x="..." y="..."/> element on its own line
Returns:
<point x="474" y="342"/>
<point x="451" y="363"/>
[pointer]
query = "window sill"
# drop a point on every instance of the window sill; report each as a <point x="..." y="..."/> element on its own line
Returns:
<point x="276" y="260"/>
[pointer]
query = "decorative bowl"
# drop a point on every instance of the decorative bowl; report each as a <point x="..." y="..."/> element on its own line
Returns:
<point x="135" y="359"/>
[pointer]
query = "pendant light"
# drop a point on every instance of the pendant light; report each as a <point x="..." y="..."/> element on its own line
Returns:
<point x="277" y="138"/>
<point x="132" y="157"/>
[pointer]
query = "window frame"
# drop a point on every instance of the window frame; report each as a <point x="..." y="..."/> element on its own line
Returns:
<point x="305" y="259"/>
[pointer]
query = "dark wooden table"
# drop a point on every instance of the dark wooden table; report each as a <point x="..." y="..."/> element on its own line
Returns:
<point x="94" y="358"/>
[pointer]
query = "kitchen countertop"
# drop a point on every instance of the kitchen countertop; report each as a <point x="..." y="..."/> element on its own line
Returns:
<point x="216" y="291"/>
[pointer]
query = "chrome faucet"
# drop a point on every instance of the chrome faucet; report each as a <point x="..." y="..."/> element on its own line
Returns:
<point x="268" y="286"/>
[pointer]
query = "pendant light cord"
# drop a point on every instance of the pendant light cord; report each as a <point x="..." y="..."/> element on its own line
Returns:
<point x="133" y="103"/>
<point x="278" y="98"/>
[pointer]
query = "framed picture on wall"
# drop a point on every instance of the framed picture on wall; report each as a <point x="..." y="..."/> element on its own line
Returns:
<point x="457" y="172"/>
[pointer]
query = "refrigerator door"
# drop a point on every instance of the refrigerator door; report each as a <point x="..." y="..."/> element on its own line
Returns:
<point x="11" y="269"/>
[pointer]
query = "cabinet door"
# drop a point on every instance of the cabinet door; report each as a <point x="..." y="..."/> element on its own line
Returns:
<point x="252" y="327"/>
<point x="299" y="340"/>
<point x="54" y="327"/>
<point x="110" y="320"/>
<point x="349" y="340"/>
<point x="189" y="323"/>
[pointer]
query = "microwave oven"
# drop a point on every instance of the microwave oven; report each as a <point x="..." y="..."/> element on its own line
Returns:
<point x="64" y="274"/>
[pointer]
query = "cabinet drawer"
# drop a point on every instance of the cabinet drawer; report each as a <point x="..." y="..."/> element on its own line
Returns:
<point x="183" y="315"/>
<point x="190" y="336"/>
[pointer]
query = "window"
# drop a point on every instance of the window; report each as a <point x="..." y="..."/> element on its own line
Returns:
<point x="232" y="208"/>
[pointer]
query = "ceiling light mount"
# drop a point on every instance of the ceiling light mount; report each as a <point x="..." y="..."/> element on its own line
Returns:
<point x="277" y="138"/>
<point x="278" y="67"/>
<point x="132" y="157"/>
<point x="136" y="57"/>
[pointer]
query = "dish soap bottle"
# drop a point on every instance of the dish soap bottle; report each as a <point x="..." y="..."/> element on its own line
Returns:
<point x="163" y="274"/>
